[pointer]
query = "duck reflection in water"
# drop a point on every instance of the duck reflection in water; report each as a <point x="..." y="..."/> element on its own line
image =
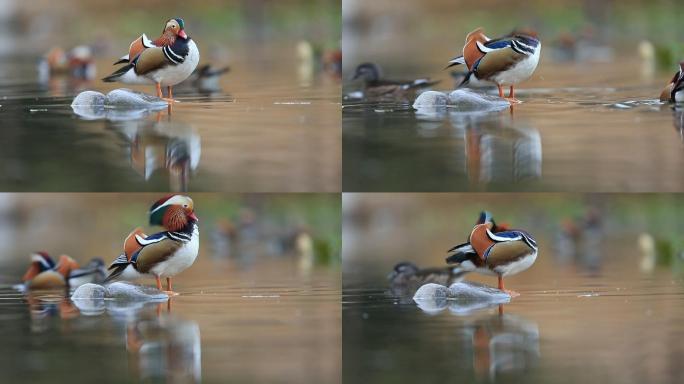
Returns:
<point x="491" y="146"/>
<point x="499" y="343"/>
<point x="497" y="149"/>
<point x="164" y="347"/>
<point x="162" y="145"/>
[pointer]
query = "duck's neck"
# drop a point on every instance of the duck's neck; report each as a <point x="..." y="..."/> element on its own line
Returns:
<point x="165" y="39"/>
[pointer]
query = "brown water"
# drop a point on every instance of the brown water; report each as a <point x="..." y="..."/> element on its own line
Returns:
<point x="599" y="307"/>
<point x="270" y="322"/>
<point x="255" y="133"/>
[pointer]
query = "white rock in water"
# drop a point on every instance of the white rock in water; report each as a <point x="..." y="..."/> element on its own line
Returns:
<point x="467" y="100"/>
<point x="89" y="299"/>
<point x="431" y="291"/>
<point x="127" y="291"/>
<point x="430" y="99"/>
<point x="464" y="290"/>
<point x="89" y="291"/>
<point x="128" y="98"/>
<point x="89" y="98"/>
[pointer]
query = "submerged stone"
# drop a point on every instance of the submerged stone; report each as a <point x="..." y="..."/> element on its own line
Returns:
<point x="430" y="99"/>
<point x="461" y="100"/>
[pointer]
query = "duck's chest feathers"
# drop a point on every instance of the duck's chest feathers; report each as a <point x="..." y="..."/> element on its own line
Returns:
<point x="182" y="258"/>
<point x="183" y="59"/>
<point x="519" y="71"/>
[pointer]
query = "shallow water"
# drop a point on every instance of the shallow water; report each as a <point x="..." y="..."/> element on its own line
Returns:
<point x="577" y="130"/>
<point x="270" y="322"/>
<point x="256" y="133"/>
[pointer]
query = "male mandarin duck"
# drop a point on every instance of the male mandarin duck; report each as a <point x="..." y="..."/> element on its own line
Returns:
<point x="501" y="253"/>
<point x="505" y="61"/>
<point x="164" y="254"/>
<point x="674" y="90"/>
<point x="166" y="61"/>
<point x="44" y="273"/>
<point x="376" y="86"/>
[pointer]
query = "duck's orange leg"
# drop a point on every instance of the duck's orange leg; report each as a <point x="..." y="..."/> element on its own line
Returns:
<point x="159" y="286"/>
<point x="159" y="91"/>
<point x="511" y="96"/>
<point x="501" y="95"/>
<point x="501" y="287"/>
<point x="170" y="94"/>
<point x="169" y="291"/>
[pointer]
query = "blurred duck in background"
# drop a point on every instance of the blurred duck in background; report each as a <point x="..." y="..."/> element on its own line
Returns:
<point x="375" y="86"/>
<point x="44" y="273"/>
<point x="206" y="79"/>
<point x="78" y="63"/>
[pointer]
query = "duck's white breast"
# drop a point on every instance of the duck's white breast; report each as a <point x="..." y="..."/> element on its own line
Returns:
<point x="517" y="266"/>
<point x="520" y="71"/>
<point x="181" y="260"/>
<point x="175" y="74"/>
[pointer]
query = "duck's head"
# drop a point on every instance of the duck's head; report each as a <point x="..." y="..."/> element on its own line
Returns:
<point x="368" y="72"/>
<point x="40" y="262"/>
<point x="487" y="218"/>
<point x="402" y="269"/>
<point x="175" y="27"/>
<point x="65" y="265"/>
<point x="173" y="212"/>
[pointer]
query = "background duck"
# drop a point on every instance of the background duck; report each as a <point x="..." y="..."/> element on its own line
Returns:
<point x="44" y="273"/>
<point x="166" y="61"/>
<point x="164" y="254"/>
<point x="501" y="254"/>
<point x="673" y="91"/>
<point x="375" y="86"/>
<point x="505" y="61"/>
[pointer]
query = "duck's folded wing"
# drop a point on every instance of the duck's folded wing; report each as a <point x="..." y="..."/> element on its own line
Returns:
<point x="497" y="60"/>
<point x="150" y="255"/>
<point x="150" y="60"/>
<point x="507" y="252"/>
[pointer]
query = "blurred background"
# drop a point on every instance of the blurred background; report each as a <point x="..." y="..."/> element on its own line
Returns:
<point x="265" y="287"/>
<point x="266" y="95"/>
<point x="608" y="265"/>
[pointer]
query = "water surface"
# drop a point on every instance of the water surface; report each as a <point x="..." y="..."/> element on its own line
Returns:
<point x="268" y="127"/>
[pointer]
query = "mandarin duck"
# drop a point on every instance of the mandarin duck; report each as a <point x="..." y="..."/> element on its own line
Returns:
<point x="505" y="61"/>
<point x="376" y="86"/>
<point x="166" y="61"/>
<point x="44" y="273"/>
<point x="164" y="254"/>
<point x="408" y="274"/>
<point x="501" y="253"/>
<point x="673" y="91"/>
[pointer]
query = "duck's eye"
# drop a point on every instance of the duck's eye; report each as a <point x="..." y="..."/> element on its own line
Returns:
<point x="185" y="205"/>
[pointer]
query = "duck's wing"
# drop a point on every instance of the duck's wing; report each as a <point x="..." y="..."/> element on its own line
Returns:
<point x="136" y="48"/>
<point x="155" y="58"/>
<point x="156" y="252"/>
<point x="507" y="252"/>
<point x="131" y="244"/>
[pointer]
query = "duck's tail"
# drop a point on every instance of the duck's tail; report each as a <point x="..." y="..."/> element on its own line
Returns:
<point x="117" y="267"/>
<point x="117" y="74"/>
